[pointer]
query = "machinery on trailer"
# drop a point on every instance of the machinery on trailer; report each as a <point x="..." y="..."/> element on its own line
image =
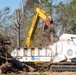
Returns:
<point x="61" y="55"/>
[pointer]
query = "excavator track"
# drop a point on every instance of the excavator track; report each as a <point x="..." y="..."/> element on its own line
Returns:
<point x="63" y="66"/>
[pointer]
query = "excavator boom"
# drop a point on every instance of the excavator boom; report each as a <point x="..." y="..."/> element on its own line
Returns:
<point x="39" y="14"/>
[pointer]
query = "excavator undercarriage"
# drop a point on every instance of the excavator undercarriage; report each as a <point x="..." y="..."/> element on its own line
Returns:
<point x="62" y="67"/>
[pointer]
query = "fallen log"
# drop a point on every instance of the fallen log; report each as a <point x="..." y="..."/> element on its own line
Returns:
<point x="5" y="67"/>
<point x="16" y="63"/>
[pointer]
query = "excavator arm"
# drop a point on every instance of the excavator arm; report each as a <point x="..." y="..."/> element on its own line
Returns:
<point x="39" y="14"/>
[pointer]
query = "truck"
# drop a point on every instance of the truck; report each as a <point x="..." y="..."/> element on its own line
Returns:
<point x="61" y="56"/>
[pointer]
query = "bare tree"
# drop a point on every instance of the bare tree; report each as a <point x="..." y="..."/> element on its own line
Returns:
<point x="17" y="20"/>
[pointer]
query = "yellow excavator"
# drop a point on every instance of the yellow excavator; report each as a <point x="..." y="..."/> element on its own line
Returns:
<point x="39" y="14"/>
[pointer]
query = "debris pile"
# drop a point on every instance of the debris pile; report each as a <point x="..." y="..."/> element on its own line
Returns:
<point x="7" y="63"/>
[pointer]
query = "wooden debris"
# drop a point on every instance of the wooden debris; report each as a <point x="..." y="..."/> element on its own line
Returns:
<point x="5" y="67"/>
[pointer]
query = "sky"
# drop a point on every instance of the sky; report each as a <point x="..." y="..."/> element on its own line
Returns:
<point x="13" y="4"/>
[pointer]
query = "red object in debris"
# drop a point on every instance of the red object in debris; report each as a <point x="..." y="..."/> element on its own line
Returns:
<point x="51" y="23"/>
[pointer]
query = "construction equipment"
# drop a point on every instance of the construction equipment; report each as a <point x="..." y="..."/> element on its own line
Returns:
<point x="39" y="14"/>
<point x="61" y="56"/>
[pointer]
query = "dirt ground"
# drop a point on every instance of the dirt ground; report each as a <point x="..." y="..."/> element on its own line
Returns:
<point x="42" y="73"/>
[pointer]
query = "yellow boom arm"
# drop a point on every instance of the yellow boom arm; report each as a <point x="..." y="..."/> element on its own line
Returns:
<point x="39" y="14"/>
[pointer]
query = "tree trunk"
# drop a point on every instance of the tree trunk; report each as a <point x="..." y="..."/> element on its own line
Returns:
<point x="18" y="37"/>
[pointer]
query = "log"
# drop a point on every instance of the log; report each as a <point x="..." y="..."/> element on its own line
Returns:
<point x="16" y="63"/>
<point x="5" y="67"/>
